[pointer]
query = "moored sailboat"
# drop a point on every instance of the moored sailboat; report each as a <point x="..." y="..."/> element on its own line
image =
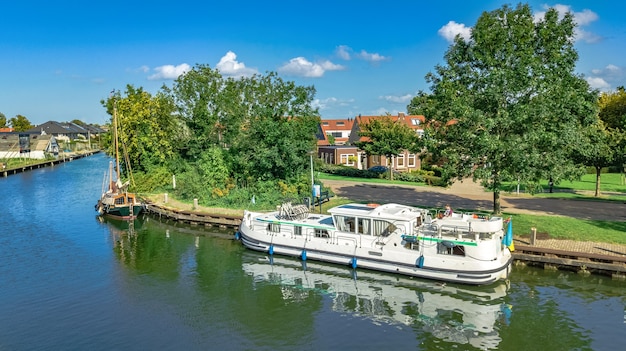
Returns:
<point x="116" y="201"/>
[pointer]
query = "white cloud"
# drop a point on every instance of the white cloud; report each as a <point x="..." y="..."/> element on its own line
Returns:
<point x="602" y="78"/>
<point x="229" y="66"/>
<point x="169" y="71"/>
<point x="325" y="104"/>
<point x="451" y="29"/>
<point x="583" y="18"/>
<point x="343" y="51"/>
<point x="371" y="57"/>
<point x="598" y="83"/>
<point x="397" y="99"/>
<point x="300" y="66"/>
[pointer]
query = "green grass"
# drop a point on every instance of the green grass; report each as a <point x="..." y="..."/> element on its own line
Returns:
<point x="559" y="227"/>
<point x="612" y="186"/>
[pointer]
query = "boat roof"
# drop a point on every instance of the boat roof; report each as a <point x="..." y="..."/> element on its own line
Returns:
<point x="390" y="211"/>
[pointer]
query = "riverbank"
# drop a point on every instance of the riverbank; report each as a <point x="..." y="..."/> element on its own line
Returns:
<point x="66" y="157"/>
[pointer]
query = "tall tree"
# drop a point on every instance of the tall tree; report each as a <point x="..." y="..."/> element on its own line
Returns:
<point x="613" y="108"/>
<point x="599" y="148"/>
<point x="278" y="131"/>
<point x="3" y="120"/>
<point x="20" y="123"/>
<point x="386" y="137"/>
<point x="147" y="127"/>
<point x="507" y="104"/>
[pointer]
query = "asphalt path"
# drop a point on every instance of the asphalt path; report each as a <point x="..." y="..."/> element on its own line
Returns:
<point x="468" y="195"/>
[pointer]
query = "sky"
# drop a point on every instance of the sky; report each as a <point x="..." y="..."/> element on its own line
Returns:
<point x="59" y="59"/>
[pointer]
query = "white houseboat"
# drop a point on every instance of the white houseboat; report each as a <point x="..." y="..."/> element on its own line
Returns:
<point x="391" y="237"/>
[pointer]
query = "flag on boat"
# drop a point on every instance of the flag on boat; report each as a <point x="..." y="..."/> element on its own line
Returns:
<point x="508" y="238"/>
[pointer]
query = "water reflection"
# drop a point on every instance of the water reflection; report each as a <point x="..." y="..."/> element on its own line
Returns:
<point x="454" y="314"/>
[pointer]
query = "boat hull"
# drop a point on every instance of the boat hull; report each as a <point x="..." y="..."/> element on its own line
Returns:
<point x="379" y="261"/>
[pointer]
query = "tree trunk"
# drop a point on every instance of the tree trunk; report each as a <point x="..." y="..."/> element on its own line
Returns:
<point x="598" y="170"/>
<point x="496" y="201"/>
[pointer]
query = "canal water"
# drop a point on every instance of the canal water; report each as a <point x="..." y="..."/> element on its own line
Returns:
<point x="70" y="281"/>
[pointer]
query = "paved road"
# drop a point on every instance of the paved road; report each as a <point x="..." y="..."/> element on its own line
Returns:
<point x="470" y="195"/>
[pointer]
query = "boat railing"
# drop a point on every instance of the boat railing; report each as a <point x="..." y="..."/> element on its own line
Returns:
<point x="293" y="212"/>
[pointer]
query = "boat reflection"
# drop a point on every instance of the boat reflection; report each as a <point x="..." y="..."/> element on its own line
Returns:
<point x="450" y="313"/>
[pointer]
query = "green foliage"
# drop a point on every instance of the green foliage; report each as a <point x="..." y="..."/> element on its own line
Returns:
<point x="20" y="123"/>
<point x="613" y="109"/>
<point x="155" y="178"/>
<point x="3" y="120"/>
<point x="146" y="126"/>
<point x="387" y="137"/>
<point x="508" y="105"/>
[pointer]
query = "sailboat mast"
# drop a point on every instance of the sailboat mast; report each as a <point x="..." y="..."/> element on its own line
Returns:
<point x="115" y="136"/>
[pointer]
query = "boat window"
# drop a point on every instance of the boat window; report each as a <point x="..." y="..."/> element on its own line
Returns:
<point x="364" y="225"/>
<point x="449" y="248"/>
<point x="297" y="230"/>
<point x="273" y="227"/>
<point x="383" y="228"/>
<point x="321" y="233"/>
<point x="119" y="200"/>
<point x="345" y="223"/>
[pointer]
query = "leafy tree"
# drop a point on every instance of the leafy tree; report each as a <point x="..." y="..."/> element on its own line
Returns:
<point x="279" y="130"/>
<point x="147" y="127"/>
<point x="507" y="104"/>
<point x="20" y="123"/>
<point x="79" y="122"/>
<point x="613" y="109"/>
<point x="3" y="120"/>
<point x="206" y="103"/>
<point x="386" y="137"/>
<point x="599" y="148"/>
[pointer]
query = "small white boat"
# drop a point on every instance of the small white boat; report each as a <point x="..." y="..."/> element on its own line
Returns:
<point x="391" y="238"/>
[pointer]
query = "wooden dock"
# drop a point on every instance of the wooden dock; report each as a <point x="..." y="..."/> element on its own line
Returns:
<point x="581" y="262"/>
<point x="194" y="217"/>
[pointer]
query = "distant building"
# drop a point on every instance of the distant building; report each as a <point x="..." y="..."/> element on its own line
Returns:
<point x="27" y="145"/>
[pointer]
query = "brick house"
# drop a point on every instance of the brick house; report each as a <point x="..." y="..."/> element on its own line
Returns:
<point x="349" y="155"/>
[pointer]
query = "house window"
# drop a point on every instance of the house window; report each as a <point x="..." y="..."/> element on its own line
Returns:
<point x="415" y="121"/>
<point x="348" y="159"/>
<point x="340" y="123"/>
<point x="411" y="160"/>
<point x="325" y="123"/>
<point x="400" y="161"/>
<point x="336" y="134"/>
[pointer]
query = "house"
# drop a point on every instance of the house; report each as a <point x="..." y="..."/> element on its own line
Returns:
<point x="349" y="155"/>
<point x="27" y="145"/>
<point x="66" y="131"/>
<point x="337" y="129"/>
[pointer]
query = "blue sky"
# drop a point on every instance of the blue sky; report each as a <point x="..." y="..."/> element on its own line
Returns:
<point x="58" y="59"/>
